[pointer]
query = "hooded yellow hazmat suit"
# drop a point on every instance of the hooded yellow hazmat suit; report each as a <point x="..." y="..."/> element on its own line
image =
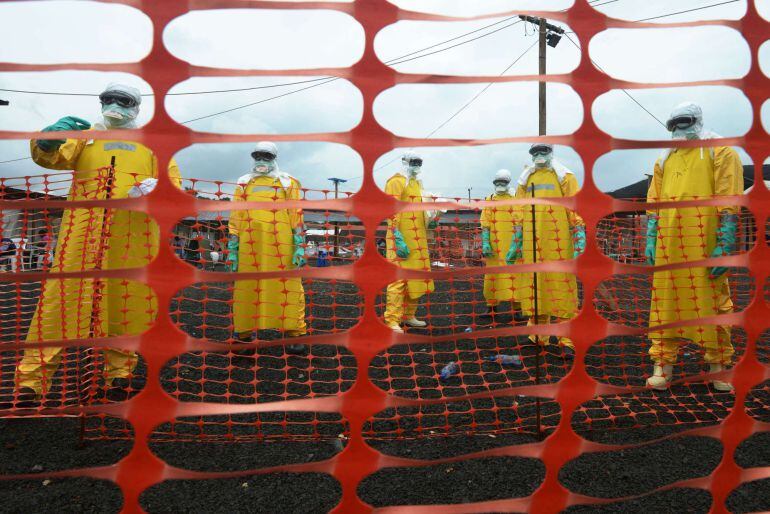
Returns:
<point x="554" y="227"/>
<point x="79" y="308"/>
<point x="404" y="295"/>
<point x="498" y="287"/>
<point x="266" y="244"/>
<point x="689" y="234"/>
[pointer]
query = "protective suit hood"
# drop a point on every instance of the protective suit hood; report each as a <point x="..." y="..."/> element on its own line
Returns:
<point x="285" y="178"/>
<point x="118" y="117"/>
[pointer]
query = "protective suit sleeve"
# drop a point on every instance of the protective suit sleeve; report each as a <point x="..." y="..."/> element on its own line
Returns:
<point x="570" y="187"/>
<point x="728" y="175"/>
<point x="236" y="216"/>
<point x="296" y="218"/>
<point x="174" y="174"/>
<point x="62" y="158"/>
<point x="395" y="188"/>
<point x="486" y="216"/>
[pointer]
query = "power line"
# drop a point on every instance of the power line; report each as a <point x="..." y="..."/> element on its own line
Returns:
<point x="269" y="86"/>
<point x="626" y="92"/>
<point x="689" y="10"/>
<point x="465" y="106"/>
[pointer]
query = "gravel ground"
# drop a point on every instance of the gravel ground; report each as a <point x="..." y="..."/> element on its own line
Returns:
<point x="459" y="427"/>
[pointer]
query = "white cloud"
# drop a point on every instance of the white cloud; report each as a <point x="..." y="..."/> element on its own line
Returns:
<point x="33" y="112"/>
<point x="61" y="32"/>
<point x="633" y="11"/>
<point x="265" y="38"/>
<point x="505" y="110"/>
<point x="333" y="107"/>
<point x="672" y="54"/>
<point x="727" y="111"/>
<point x="480" y="57"/>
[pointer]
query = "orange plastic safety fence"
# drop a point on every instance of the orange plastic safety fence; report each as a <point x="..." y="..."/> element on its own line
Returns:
<point x="95" y="295"/>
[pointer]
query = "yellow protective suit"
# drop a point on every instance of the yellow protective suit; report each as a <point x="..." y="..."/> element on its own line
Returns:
<point x="557" y="293"/>
<point x="689" y="234"/>
<point x="498" y="287"/>
<point x="403" y="295"/>
<point x="90" y="239"/>
<point x="266" y="244"/>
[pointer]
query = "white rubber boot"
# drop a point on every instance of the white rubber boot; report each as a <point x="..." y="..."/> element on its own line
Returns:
<point x="719" y="385"/>
<point x="415" y="323"/>
<point x="395" y="327"/>
<point x="660" y="378"/>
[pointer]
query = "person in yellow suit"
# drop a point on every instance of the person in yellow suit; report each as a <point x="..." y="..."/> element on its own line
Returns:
<point x="268" y="240"/>
<point x="691" y="234"/>
<point x="89" y="239"/>
<point x="407" y="246"/>
<point x="559" y="234"/>
<point x="496" y="234"/>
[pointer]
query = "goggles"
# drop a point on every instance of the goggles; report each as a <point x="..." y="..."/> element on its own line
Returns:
<point x="500" y="183"/>
<point x="414" y="162"/>
<point x="540" y="150"/>
<point x="262" y="156"/>
<point x="113" y="98"/>
<point x="681" y="122"/>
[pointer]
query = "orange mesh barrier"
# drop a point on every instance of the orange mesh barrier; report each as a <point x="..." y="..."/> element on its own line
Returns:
<point x="554" y="348"/>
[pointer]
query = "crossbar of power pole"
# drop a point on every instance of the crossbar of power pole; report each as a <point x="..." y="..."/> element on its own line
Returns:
<point x="549" y="26"/>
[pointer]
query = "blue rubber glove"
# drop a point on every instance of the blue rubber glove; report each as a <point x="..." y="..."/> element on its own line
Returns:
<point x="66" y="123"/>
<point x="232" y="252"/>
<point x="578" y="241"/>
<point x="652" y="239"/>
<point x="298" y="259"/>
<point x="402" y="251"/>
<point x="517" y="243"/>
<point x="728" y="228"/>
<point x="486" y="247"/>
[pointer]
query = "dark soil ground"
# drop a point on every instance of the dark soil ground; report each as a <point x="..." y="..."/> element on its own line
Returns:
<point x="39" y="445"/>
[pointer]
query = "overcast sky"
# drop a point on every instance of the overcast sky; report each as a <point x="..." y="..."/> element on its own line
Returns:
<point x="314" y="39"/>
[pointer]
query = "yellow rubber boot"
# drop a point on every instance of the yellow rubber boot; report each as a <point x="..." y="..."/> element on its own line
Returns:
<point x="660" y="378"/>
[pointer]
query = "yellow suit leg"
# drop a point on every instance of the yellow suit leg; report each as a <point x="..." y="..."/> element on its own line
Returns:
<point x="394" y="303"/>
<point x="542" y="319"/>
<point x="118" y="364"/>
<point x="301" y="329"/>
<point x="664" y="351"/>
<point x="410" y="306"/>
<point x="565" y="341"/>
<point x="37" y="368"/>
<point x="722" y="351"/>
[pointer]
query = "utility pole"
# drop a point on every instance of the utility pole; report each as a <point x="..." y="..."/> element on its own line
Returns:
<point x="337" y="182"/>
<point x="550" y="35"/>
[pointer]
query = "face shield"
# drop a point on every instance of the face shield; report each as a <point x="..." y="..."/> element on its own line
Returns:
<point x="264" y="162"/>
<point x="413" y="165"/>
<point x="542" y="155"/>
<point x="685" y="122"/>
<point x="120" y="105"/>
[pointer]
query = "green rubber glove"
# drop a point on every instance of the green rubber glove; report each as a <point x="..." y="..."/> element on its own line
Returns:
<point x="298" y="259"/>
<point x="517" y="243"/>
<point x="232" y="252"/>
<point x="726" y="233"/>
<point x="402" y="250"/>
<point x="652" y="239"/>
<point x="578" y="241"/>
<point x="486" y="247"/>
<point x="432" y="224"/>
<point x="66" y="123"/>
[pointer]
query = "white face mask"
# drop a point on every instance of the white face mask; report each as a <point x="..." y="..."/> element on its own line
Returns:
<point x="690" y="133"/>
<point x="542" y="160"/>
<point x="116" y="116"/>
<point x="413" y="170"/>
<point x="264" y="167"/>
<point x="501" y="188"/>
